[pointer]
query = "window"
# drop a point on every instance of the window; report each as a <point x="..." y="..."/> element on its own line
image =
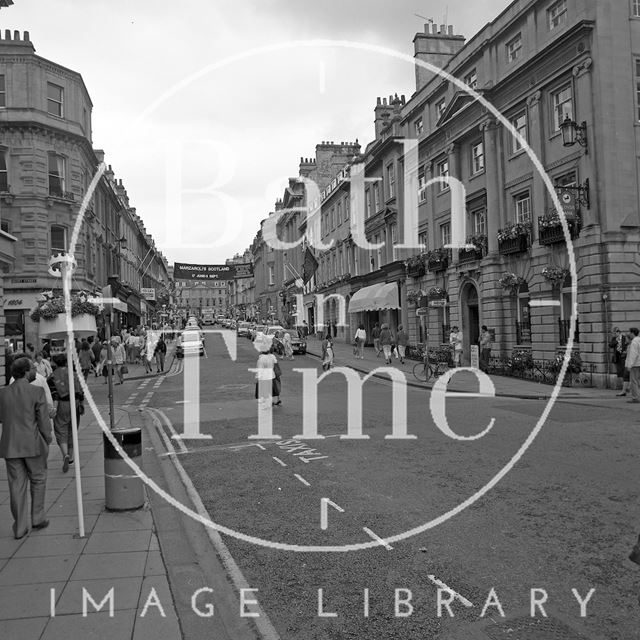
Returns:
<point x="367" y="197"/>
<point x="4" y="173"/>
<point x="443" y="172"/>
<point x="445" y="234"/>
<point x="272" y="280"/>
<point x="4" y="226"/>
<point x="569" y="179"/>
<point x="56" y="175"/>
<point x="514" y="48"/>
<point x="471" y="79"/>
<point x="562" y="104"/>
<point x="422" y="181"/>
<point x="479" y="222"/>
<point x="523" y="325"/>
<point x="391" y="180"/>
<point x="522" y="203"/>
<point x="339" y="211"/>
<point x="423" y="239"/>
<point x="376" y="197"/>
<point x="376" y="240"/>
<point x="519" y="123"/>
<point x="557" y="14"/>
<point x="58" y="239"/>
<point x="635" y="8"/>
<point x="346" y="208"/>
<point x="418" y="127"/>
<point x="477" y="158"/>
<point x="3" y="92"/>
<point x="441" y="107"/>
<point x="55" y="100"/>
<point x="333" y="217"/>
<point x="638" y="87"/>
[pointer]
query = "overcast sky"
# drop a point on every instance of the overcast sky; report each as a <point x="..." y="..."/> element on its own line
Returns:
<point x="175" y="112"/>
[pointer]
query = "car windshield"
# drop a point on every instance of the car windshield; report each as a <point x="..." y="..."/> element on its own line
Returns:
<point x="190" y="336"/>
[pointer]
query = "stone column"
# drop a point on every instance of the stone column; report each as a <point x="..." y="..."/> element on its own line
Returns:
<point x="495" y="219"/>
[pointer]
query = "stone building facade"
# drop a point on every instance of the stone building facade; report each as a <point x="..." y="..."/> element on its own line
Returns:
<point x="47" y="163"/>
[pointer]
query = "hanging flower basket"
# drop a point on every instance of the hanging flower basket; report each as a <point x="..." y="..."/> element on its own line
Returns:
<point x="51" y="316"/>
<point x="511" y="282"/>
<point x="414" y="296"/>
<point x="415" y="266"/>
<point x="437" y="293"/>
<point x="555" y="275"/>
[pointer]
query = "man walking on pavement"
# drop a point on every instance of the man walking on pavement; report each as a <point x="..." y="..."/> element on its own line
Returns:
<point x="375" y="334"/>
<point x="26" y="435"/>
<point x="632" y="363"/>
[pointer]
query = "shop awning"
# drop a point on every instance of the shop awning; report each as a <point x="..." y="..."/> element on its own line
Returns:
<point x="375" y="297"/>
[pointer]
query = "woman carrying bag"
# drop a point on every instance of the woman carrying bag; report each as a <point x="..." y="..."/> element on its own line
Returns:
<point x="360" y="339"/>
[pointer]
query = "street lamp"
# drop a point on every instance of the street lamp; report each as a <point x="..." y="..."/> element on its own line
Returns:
<point x="573" y="133"/>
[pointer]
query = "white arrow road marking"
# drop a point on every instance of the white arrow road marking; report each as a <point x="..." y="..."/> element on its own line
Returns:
<point x="244" y="446"/>
<point x="279" y="461"/>
<point x="324" y="518"/>
<point x="442" y="585"/>
<point x="378" y="538"/>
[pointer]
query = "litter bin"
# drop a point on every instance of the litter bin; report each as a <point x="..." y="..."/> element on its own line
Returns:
<point x="123" y="489"/>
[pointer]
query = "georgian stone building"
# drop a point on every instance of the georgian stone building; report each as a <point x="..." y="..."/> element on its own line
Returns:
<point x="46" y="165"/>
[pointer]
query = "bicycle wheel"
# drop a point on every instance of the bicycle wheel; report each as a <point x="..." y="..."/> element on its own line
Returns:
<point x="421" y="372"/>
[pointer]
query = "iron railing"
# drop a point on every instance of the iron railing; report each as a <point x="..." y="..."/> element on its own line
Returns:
<point x="564" y="327"/>
<point x="542" y="371"/>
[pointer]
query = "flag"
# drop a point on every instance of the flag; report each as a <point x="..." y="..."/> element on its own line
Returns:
<point x="309" y="266"/>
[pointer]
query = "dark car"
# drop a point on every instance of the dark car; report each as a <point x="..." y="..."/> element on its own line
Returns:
<point x="298" y="344"/>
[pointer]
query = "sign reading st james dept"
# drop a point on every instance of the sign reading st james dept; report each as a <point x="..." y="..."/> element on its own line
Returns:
<point x="184" y="271"/>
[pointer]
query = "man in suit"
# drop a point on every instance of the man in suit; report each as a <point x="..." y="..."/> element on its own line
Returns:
<point x="24" y="444"/>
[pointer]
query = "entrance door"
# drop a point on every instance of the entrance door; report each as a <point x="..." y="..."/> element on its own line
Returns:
<point x="470" y="319"/>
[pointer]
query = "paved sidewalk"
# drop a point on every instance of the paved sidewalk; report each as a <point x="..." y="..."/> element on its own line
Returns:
<point x="119" y="551"/>
<point x="464" y="382"/>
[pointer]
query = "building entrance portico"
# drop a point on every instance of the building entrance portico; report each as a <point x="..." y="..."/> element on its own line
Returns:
<point x="470" y="314"/>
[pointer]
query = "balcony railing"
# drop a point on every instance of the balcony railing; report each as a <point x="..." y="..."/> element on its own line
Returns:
<point x="564" y="327"/>
<point x="438" y="262"/>
<point x="523" y="332"/>
<point x="470" y="255"/>
<point x="65" y="195"/>
<point x="554" y="234"/>
<point x="513" y="245"/>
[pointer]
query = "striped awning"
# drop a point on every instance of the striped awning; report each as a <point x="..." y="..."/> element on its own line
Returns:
<point x="375" y="297"/>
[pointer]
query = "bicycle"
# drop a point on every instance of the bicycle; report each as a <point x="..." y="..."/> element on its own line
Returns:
<point x="431" y="368"/>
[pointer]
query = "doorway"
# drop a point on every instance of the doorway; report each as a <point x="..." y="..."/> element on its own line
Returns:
<point x="470" y="319"/>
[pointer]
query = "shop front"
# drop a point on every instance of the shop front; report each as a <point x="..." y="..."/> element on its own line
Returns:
<point x="19" y="329"/>
<point x="377" y="303"/>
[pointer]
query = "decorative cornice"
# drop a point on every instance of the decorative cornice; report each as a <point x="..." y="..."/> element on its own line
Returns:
<point x="519" y="180"/>
<point x="583" y="67"/>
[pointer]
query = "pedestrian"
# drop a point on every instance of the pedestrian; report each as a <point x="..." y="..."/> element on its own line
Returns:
<point x="360" y="339"/>
<point x="146" y="354"/>
<point x="485" y="343"/>
<point x="386" y="342"/>
<point x="102" y="361"/>
<point x="160" y="352"/>
<point x="402" y="340"/>
<point x="30" y="351"/>
<point x="327" y="352"/>
<point x="375" y="334"/>
<point x="119" y="359"/>
<point x="43" y="366"/>
<point x="59" y="384"/>
<point x="619" y="344"/>
<point x="305" y="329"/>
<point x="96" y="347"/>
<point x="268" y="374"/>
<point x="39" y="380"/>
<point x="632" y="363"/>
<point x="24" y="444"/>
<point x="86" y="358"/>
<point x="455" y="340"/>
<point x="288" y="349"/>
<point x="334" y="328"/>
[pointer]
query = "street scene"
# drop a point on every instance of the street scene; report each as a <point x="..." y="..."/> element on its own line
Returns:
<point x="320" y="322"/>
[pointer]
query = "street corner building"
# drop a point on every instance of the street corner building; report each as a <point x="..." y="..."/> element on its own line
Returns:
<point x="565" y="74"/>
<point x="47" y="163"/>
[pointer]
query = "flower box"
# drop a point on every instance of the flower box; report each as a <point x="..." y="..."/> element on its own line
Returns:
<point x="550" y="230"/>
<point x="416" y="272"/>
<point x="83" y="326"/>
<point x="469" y="255"/>
<point x="519" y="244"/>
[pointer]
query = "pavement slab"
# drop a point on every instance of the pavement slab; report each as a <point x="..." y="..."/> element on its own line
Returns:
<point x="118" y="541"/>
<point x="126" y="592"/>
<point x="95" y="626"/>
<point x="110" y="565"/>
<point x="22" y="629"/>
<point x="27" y="600"/>
<point x="52" y="545"/>
<point x="35" y="570"/>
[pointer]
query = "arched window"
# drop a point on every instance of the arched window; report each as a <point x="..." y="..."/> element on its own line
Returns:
<point x="523" y="321"/>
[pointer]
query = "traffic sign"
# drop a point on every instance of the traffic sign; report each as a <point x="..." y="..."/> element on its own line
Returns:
<point x="440" y="302"/>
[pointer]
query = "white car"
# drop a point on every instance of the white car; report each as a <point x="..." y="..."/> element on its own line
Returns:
<point x="189" y="343"/>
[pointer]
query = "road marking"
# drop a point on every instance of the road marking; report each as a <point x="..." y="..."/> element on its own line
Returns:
<point x="378" y="538"/>
<point x="442" y="585"/>
<point x="297" y="475"/>
<point x="244" y="446"/>
<point x="167" y="423"/>
<point x="279" y="461"/>
<point x="324" y="518"/>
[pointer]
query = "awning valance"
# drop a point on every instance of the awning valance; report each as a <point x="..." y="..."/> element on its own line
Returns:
<point x="375" y="297"/>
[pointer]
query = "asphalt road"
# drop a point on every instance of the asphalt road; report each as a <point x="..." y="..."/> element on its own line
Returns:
<point x="563" y="518"/>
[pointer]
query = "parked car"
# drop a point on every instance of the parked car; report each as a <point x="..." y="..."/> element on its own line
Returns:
<point x="189" y="343"/>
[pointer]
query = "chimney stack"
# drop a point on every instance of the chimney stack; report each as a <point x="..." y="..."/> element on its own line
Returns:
<point x="436" y="48"/>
